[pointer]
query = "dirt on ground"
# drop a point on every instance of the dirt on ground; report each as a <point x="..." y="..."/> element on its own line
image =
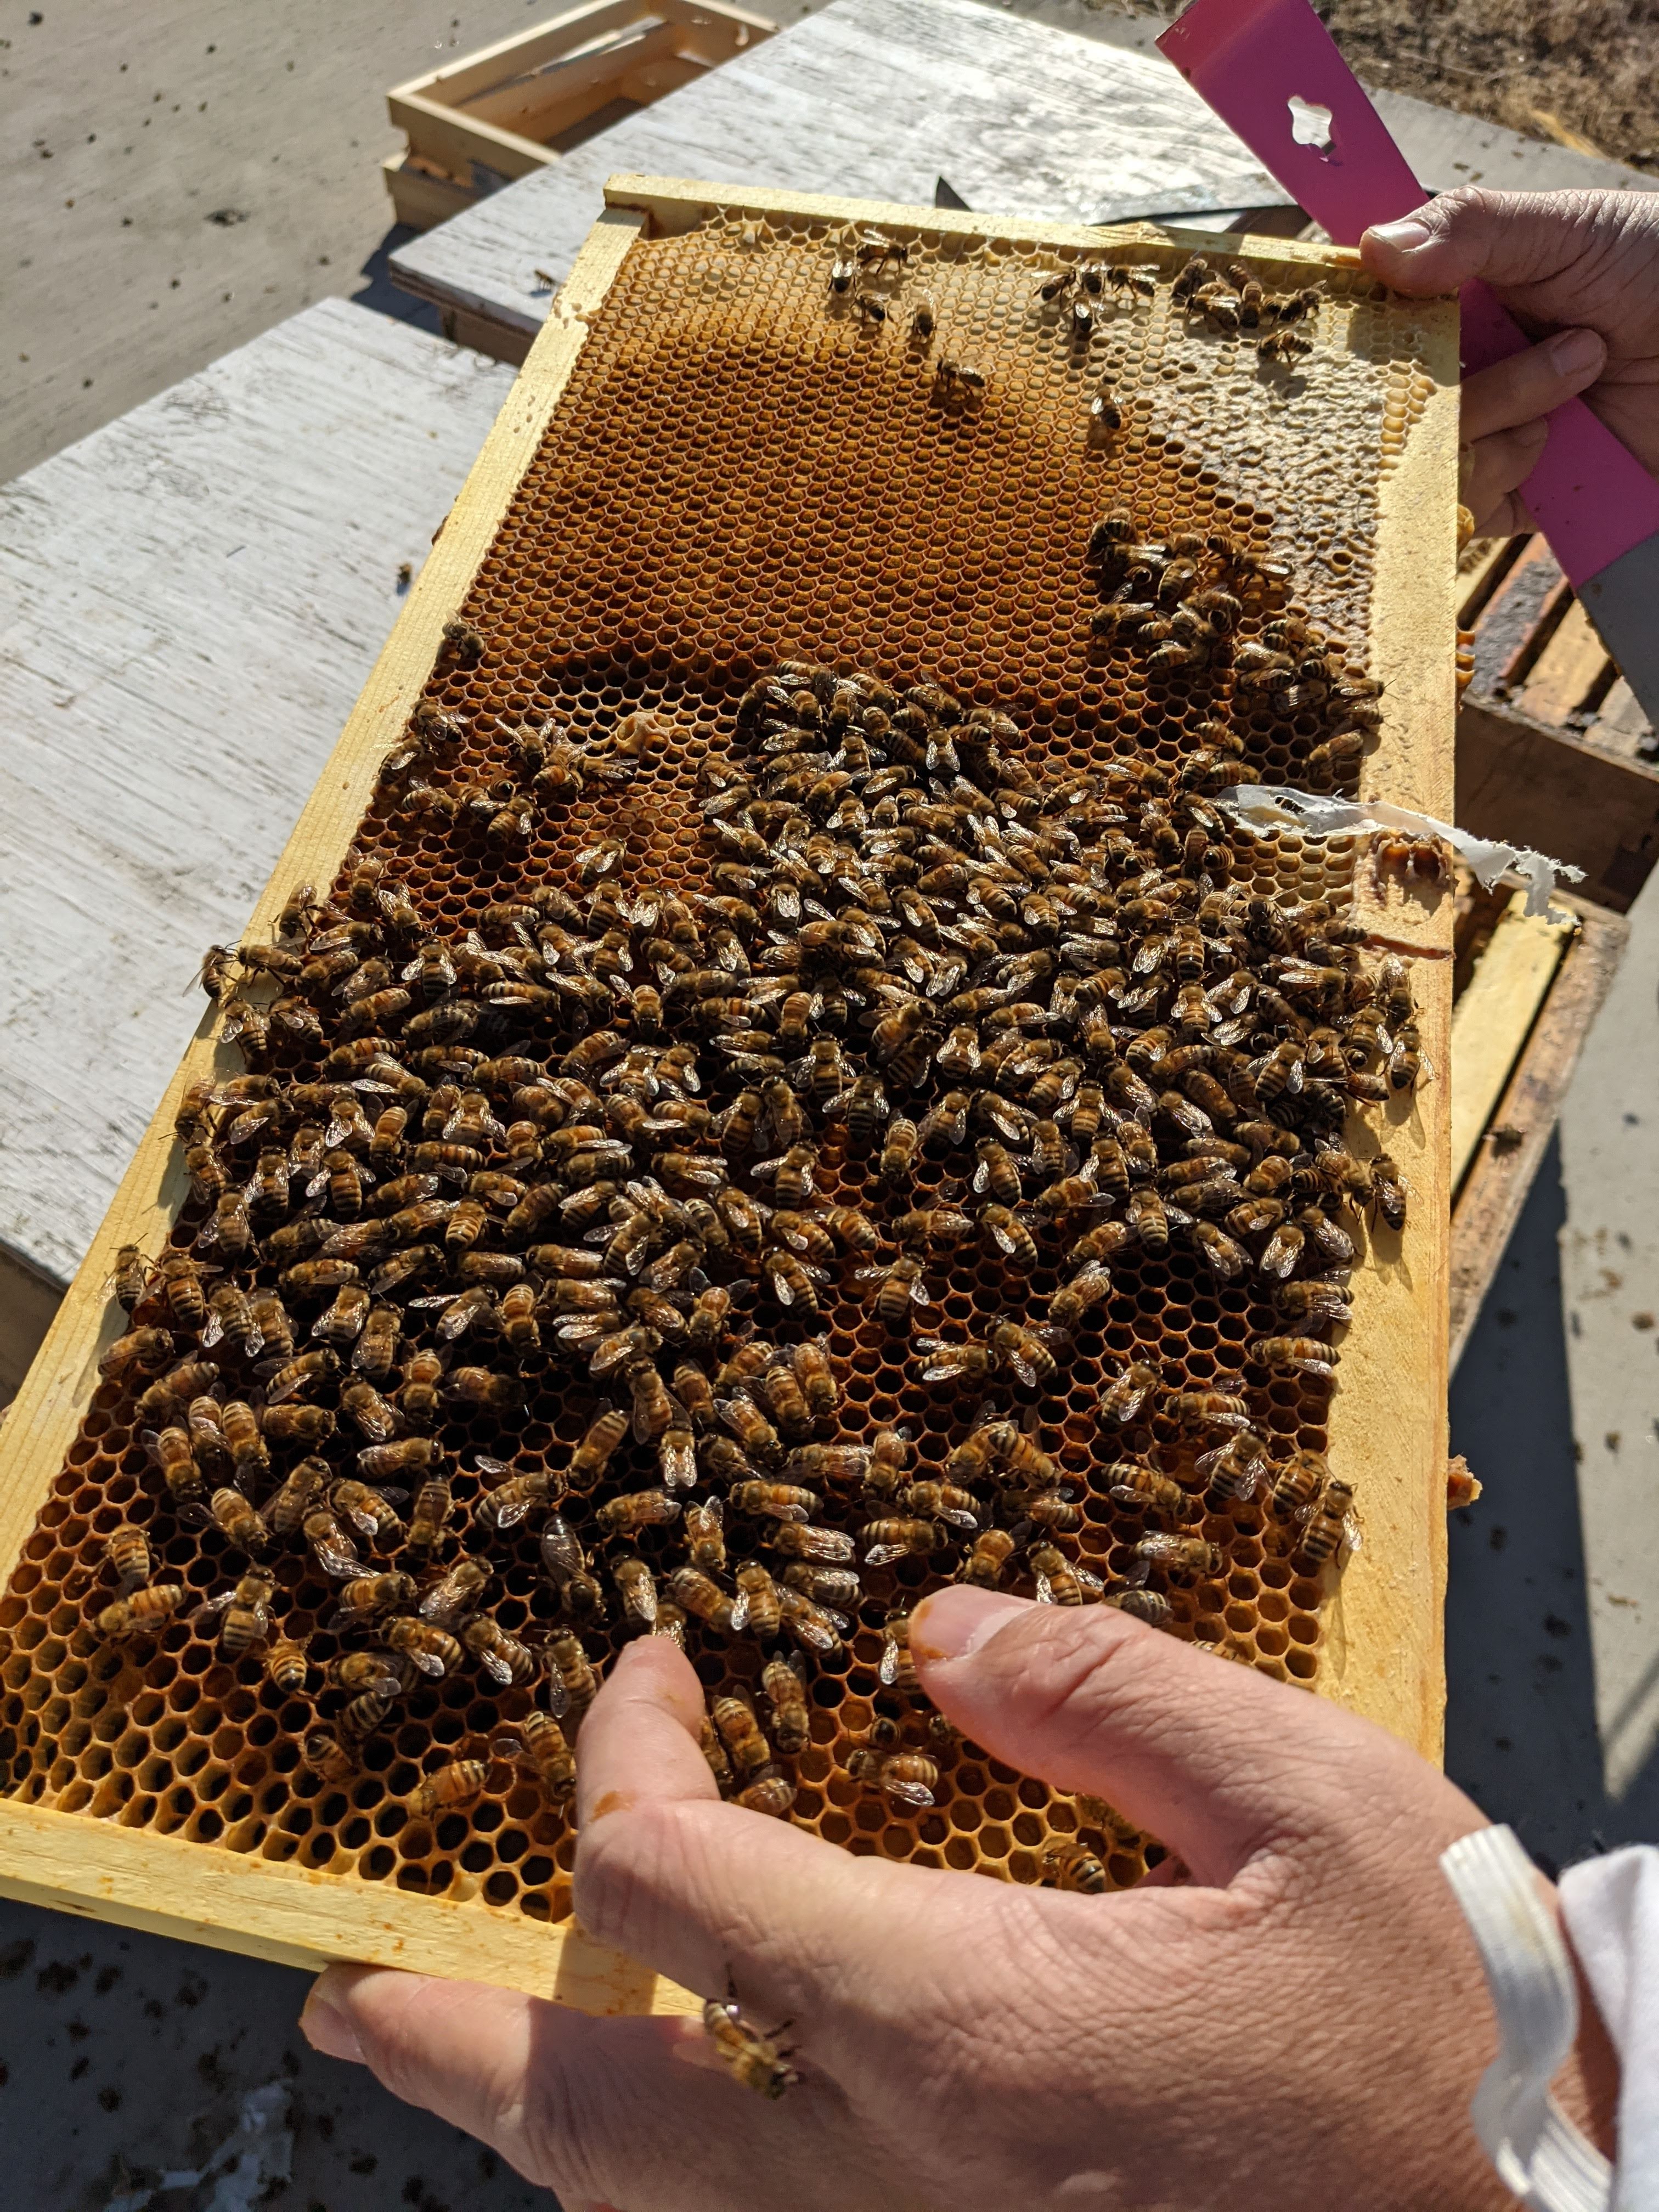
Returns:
<point x="1582" y="72"/>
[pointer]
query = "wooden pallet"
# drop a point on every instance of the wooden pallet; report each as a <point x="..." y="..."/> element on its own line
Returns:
<point x="1382" y="1653"/>
<point x="515" y="107"/>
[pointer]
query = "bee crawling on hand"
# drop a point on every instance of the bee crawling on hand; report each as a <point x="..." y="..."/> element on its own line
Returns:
<point x="758" y="2061"/>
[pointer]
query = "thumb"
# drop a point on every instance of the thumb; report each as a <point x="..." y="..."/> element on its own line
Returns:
<point x="1509" y="238"/>
<point x="1215" y="1759"/>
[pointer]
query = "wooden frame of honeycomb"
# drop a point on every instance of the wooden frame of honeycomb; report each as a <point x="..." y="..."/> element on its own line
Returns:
<point x="1386" y="439"/>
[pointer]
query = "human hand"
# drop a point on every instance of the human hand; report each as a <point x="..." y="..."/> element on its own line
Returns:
<point x="1300" y="2025"/>
<point x="1584" y="267"/>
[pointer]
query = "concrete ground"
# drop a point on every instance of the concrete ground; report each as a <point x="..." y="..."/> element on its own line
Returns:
<point x="177" y="178"/>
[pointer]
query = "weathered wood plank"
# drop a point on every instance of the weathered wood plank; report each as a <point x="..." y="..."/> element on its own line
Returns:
<point x="1502" y="1173"/>
<point x="194" y="597"/>
<point x="1531" y="785"/>
<point x="876" y="99"/>
<point x="1494" y="1018"/>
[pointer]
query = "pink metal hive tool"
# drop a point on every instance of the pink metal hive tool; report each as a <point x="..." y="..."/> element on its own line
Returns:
<point x="1271" y="72"/>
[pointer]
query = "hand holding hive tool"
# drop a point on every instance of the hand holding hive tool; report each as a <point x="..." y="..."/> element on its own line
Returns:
<point x="937" y="2039"/>
<point x="1271" y="72"/>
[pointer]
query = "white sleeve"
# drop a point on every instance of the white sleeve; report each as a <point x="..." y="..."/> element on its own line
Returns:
<point x="1610" y="1907"/>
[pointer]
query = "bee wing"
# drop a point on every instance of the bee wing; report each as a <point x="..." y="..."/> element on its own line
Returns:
<point x="1023" y="1368"/>
<point x="361" y="1517"/>
<point x="428" y="1661"/>
<point x="484" y="1466"/>
<point x="1045" y="1590"/>
<point x="213" y="1607"/>
<point x="739" y="1612"/>
<point x="1352" y="1535"/>
<point x="958" y="1518"/>
<point x="879" y="1555"/>
<point x="212" y="1330"/>
<point x="506" y="1516"/>
<point x="1003" y="1235"/>
<point x="496" y="1668"/>
<point x="909" y="1793"/>
<point x="335" y="1560"/>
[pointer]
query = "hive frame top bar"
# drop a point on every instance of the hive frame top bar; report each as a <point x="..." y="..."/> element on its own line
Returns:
<point x="675" y="205"/>
<point x="138" y="1877"/>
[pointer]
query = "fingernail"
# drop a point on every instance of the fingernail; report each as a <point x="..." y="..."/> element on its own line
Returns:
<point x="1574" y="351"/>
<point x="330" y="2032"/>
<point x="1405" y="236"/>
<point x="952" y="1623"/>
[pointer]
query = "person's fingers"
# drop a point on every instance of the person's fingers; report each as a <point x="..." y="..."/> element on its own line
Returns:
<point x="1492" y="473"/>
<point x="1213" y="1759"/>
<point x="707" y="1892"/>
<point x="603" y="2111"/>
<point x="1525" y="387"/>
<point x="1509" y="238"/>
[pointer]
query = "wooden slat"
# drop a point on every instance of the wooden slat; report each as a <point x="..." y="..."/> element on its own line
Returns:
<point x="1568" y="670"/>
<point x="1622" y="723"/>
<point x="1502" y="1172"/>
<point x="1522" y="781"/>
<point x="1493" y="1019"/>
<point x="1511" y="615"/>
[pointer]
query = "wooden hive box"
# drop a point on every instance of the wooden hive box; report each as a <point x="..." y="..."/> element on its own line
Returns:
<point x="512" y="108"/>
<point x="707" y="461"/>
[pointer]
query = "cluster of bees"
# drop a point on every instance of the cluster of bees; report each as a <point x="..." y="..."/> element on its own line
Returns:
<point x="1017" y="1023"/>
<point x="1234" y="300"/>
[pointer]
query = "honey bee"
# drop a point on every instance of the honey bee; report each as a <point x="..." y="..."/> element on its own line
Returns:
<point x="1388" y="1191"/>
<point x="287" y="1666"/>
<point x="364" y="1595"/>
<point x="144" y="1612"/>
<point x="741" y="1734"/>
<point x="1057" y="1582"/>
<point x="244" y="1440"/>
<point x="140" y="1349"/>
<point x="954" y="379"/>
<point x="1296" y="1485"/>
<point x="757" y="2062"/>
<point x="461" y="1783"/>
<point x="246" y="1613"/>
<point x="1303" y="1355"/>
<point x="704" y="1599"/>
<point x="898" y="1537"/>
<point x="127" y="1550"/>
<point x="908" y="1778"/>
<point x="771" y="1792"/>
<point x="777" y="1501"/>
<point x="1330" y="1525"/>
<point x="784" y="1682"/>
<point x="286" y="1512"/>
<point x="326" y="1755"/>
<point x="503" y="1657"/>
<point x="575" y="1685"/>
<point x="635" y="1509"/>
<point x="799" y="1541"/>
<point x="547" y="1750"/>
<point x="753" y="1431"/>
<point x="177" y="1461"/>
<point x="705" y="1536"/>
<point x="1124" y="1400"/>
<point x="1233" y="1471"/>
<point x="593" y="1454"/>
<point x="505" y="1507"/>
<point x="1148" y="1605"/>
<point x="1132" y="1484"/>
<point x="1183" y="1558"/>
<point x="1073" y="1866"/>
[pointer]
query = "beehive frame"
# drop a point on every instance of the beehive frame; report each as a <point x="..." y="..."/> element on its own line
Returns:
<point x="1381" y="1652"/>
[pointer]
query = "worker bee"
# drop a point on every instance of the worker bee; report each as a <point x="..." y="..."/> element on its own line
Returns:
<point x="1330" y="1525"/>
<point x="955" y="378"/>
<point x="907" y="1778"/>
<point x="901" y="1287"/>
<point x="1057" y="1582"/>
<point x="127" y="1550"/>
<point x="593" y="1454"/>
<point x="775" y="1501"/>
<point x="898" y="1537"/>
<point x="1303" y="1355"/>
<point x="140" y="1349"/>
<point x="753" y="1431"/>
<point x="757" y="2062"/>
<point x="704" y="1599"/>
<point x="1388" y="1191"/>
<point x="546" y="1750"/>
<point x="1132" y="1484"/>
<point x="1284" y="347"/>
<point x="503" y="1657"/>
<point x="366" y="1596"/>
<point x="376" y="1349"/>
<point x="1296" y="1485"/>
<point x="741" y="1734"/>
<point x="461" y="1783"/>
<point x="1183" y="1558"/>
<point x="287" y="1666"/>
<point x="1124" y="1400"/>
<point x="285" y="1513"/>
<point x="144" y="1612"/>
<point x="1073" y="1866"/>
<point x="1233" y="1471"/>
<point x="505" y="1507"/>
<point x="246" y="1613"/>
<point x="176" y="1457"/>
<point x="331" y="1547"/>
<point x="705" y="1536"/>
<point x="636" y="1508"/>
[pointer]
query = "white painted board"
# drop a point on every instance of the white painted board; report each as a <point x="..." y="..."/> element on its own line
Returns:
<point x="876" y="100"/>
<point x="189" y="601"/>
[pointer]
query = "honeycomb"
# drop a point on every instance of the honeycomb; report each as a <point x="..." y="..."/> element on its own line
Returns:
<point x="747" y="467"/>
